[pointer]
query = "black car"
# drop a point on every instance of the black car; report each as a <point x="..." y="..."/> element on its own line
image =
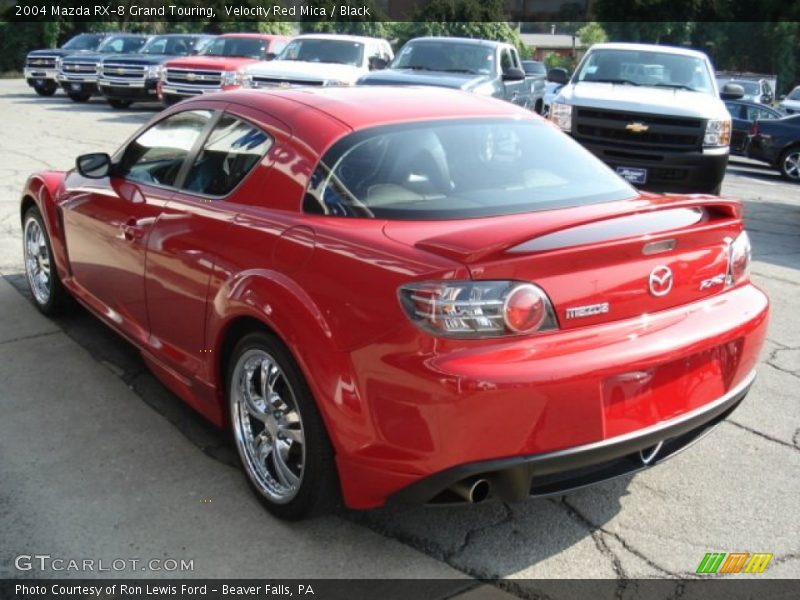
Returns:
<point x="41" y="66"/>
<point x="77" y="73"/>
<point x="127" y="78"/>
<point x="777" y="142"/>
<point x="743" y="115"/>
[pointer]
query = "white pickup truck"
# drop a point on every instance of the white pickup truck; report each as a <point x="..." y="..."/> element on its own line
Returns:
<point x="653" y="113"/>
<point x="321" y="59"/>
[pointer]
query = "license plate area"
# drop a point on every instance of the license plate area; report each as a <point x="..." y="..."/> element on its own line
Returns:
<point x="635" y="175"/>
<point x="75" y="87"/>
<point x="643" y="397"/>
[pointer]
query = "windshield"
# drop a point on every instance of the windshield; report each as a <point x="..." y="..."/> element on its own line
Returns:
<point x="122" y="44"/>
<point x="646" y="68"/>
<point x="444" y="56"/>
<point x="238" y="47"/>
<point x="83" y="42"/>
<point x="458" y="169"/>
<point x="327" y="51"/>
<point x="169" y="44"/>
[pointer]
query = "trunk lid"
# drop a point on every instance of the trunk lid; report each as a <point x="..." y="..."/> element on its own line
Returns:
<point x="597" y="263"/>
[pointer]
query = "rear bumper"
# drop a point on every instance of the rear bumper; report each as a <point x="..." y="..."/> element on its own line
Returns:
<point x="541" y="414"/>
<point x="696" y="171"/>
<point x="547" y="474"/>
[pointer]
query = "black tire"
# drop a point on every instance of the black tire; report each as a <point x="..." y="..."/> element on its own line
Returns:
<point x="714" y="191"/>
<point x="318" y="489"/>
<point x="539" y="108"/>
<point x="45" y="90"/>
<point x="118" y="104"/>
<point x="79" y="97"/>
<point x="789" y="164"/>
<point x="59" y="299"/>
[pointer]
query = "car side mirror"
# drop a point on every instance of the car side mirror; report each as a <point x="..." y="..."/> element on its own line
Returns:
<point x="376" y="63"/>
<point x="270" y="56"/>
<point x="558" y="75"/>
<point x="731" y="91"/>
<point x="94" y="166"/>
<point x="513" y="74"/>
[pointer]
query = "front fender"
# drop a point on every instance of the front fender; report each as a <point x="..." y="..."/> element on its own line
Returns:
<point x="43" y="190"/>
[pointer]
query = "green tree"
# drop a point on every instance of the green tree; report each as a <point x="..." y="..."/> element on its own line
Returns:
<point x="592" y="33"/>
<point x="462" y="18"/>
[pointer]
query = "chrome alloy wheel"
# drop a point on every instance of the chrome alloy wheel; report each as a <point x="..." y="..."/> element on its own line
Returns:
<point x="267" y="426"/>
<point x="37" y="261"/>
<point x="791" y="165"/>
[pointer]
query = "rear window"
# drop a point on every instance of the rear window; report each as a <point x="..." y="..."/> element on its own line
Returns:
<point x="458" y="169"/>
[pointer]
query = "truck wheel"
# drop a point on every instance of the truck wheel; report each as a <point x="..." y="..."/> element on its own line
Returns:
<point x="79" y="97"/>
<point x="789" y="164"/>
<point x="278" y="431"/>
<point x="49" y="296"/>
<point x="118" y="103"/>
<point x="45" y="90"/>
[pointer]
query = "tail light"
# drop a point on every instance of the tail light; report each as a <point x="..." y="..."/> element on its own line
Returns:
<point x="477" y="309"/>
<point x="739" y="255"/>
<point x="754" y="128"/>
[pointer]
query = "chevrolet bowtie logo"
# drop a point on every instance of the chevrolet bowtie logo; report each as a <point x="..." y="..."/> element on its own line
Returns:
<point x="191" y="76"/>
<point x="637" y="127"/>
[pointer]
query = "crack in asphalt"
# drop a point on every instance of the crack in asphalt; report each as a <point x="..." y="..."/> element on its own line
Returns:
<point x="792" y="446"/>
<point x="578" y="516"/>
<point x="29" y="337"/>
<point x="507" y="517"/>
<point x="779" y="560"/>
<point x="775" y="278"/>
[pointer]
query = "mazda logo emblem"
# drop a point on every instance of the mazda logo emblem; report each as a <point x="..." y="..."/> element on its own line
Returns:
<point x="660" y="281"/>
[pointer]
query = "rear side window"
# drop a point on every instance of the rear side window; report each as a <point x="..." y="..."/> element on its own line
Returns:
<point x="232" y="149"/>
<point x="157" y="155"/>
<point x="458" y="169"/>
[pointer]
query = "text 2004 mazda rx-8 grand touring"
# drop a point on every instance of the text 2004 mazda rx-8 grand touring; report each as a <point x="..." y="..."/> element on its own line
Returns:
<point x="404" y="295"/>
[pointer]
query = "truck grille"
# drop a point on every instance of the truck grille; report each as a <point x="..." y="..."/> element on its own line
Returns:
<point x="79" y="68"/>
<point x="41" y="62"/>
<point x="655" y="132"/>
<point x="193" y="78"/>
<point x="259" y="81"/>
<point x="123" y="71"/>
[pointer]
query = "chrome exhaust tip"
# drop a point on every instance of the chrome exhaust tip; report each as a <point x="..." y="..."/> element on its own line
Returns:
<point x="473" y="490"/>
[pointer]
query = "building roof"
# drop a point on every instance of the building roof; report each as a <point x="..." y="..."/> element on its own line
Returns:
<point x="556" y="41"/>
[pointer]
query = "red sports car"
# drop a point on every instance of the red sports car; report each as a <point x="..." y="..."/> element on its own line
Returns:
<point x="404" y="294"/>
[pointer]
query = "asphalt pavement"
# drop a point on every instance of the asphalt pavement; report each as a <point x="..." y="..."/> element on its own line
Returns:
<point x="98" y="460"/>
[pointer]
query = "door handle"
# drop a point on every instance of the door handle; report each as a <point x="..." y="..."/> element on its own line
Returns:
<point x="131" y="231"/>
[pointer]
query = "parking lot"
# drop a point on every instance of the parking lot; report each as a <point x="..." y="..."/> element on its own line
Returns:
<point x="98" y="460"/>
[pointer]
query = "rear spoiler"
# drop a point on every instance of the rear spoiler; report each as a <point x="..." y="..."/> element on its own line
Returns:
<point x="553" y="229"/>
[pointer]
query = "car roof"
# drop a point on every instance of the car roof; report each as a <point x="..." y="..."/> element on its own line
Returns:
<point x="359" y="107"/>
<point x="336" y="36"/>
<point x="649" y="48"/>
